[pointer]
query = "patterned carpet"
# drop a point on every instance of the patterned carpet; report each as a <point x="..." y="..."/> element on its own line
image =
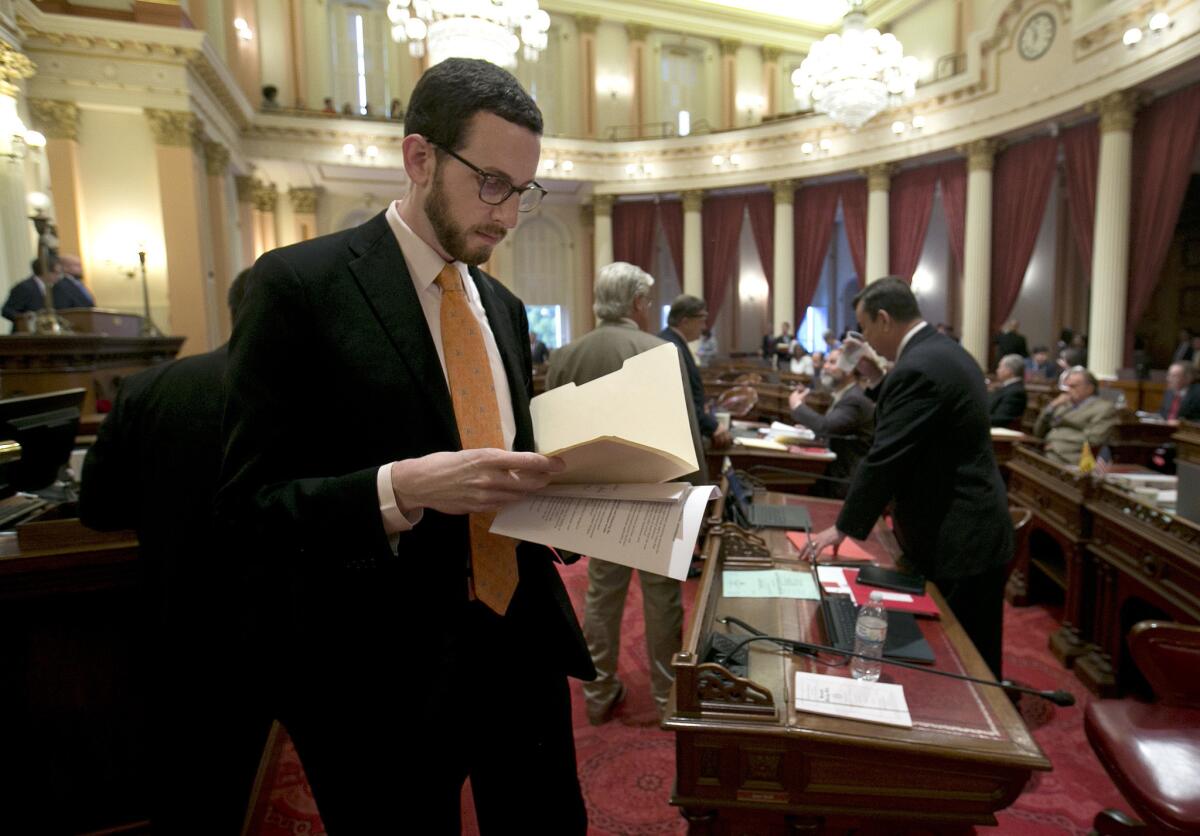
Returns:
<point x="627" y="766"/>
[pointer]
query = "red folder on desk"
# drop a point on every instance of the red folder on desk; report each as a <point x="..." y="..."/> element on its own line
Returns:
<point x="919" y="605"/>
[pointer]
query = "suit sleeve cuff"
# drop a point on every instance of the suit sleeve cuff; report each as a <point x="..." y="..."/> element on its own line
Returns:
<point x="395" y="521"/>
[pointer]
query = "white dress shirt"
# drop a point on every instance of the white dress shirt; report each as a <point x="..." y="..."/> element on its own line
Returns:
<point x="424" y="264"/>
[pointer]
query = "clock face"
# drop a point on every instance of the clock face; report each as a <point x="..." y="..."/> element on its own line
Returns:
<point x="1036" y="36"/>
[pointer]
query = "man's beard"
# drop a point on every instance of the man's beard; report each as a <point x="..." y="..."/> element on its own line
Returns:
<point x="450" y="235"/>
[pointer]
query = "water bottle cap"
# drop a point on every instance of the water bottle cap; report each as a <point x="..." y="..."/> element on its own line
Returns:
<point x="876" y="597"/>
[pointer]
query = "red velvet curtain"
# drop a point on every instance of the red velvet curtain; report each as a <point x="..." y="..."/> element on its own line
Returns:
<point x="670" y="215"/>
<point x="1164" y="146"/>
<point x="1081" y="158"/>
<point x="633" y="233"/>
<point x="854" y="216"/>
<point x="1023" y="176"/>
<point x="760" y="207"/>
<point x="953" y="174"/>
<point x="721" y="223"/>
<point x="910" y="203"/>
<point x="816" y="207"/>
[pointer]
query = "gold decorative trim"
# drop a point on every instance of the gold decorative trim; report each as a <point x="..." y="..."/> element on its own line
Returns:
<point x="304" y="200"/>
<point x="586" y="24"/>
<point x="1118" y="111"/>
<point x="785" y="191"/>
<point x="173" y="128"/>
<point x="729" y="46"/>
<point x="266" y="197"/>
<point x="879" y="177"/>
<point x="637" y="32"/>
<point x="771" y="54"/>
<point x="692" y="200"/>
<point x="14" y="66"/>
<point x="246" y="187"/>
<point x="602" y="205"/>
<point x="216" y="159"/>
<point x="55" y="118"/>
<point x="981" y="154"/>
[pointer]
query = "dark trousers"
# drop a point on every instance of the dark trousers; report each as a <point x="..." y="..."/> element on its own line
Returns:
<point x="978" y="604"/>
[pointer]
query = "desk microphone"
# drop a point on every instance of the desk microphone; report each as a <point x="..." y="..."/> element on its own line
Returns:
<point x="1060" y="698"/>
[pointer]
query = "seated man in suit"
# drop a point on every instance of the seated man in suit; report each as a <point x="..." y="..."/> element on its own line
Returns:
<point x="848" y="424"/>
<point x="685" y="323"/>
<point x="29" y="294"/>
<point x="1006" y="402"/>
<point x="1181" y="400"/>
<point x="1076" y="416"/>
<point x="1040" y="366"/>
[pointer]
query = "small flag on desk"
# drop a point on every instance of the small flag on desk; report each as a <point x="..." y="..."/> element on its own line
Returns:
<point x="1087" y="462"/>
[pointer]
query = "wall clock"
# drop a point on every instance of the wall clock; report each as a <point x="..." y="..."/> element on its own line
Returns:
<point x="1036" y="36"/>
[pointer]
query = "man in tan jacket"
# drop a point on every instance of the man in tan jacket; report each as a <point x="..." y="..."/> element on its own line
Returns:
<point x="1076" y="416"/>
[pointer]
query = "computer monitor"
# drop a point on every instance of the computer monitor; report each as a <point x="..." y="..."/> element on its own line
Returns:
<point x="45" y="426"/>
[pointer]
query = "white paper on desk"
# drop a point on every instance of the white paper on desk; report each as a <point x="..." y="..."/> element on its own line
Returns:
<point x="663" y="492"/>
<point x="773" y="583"/>
<point x="653" y="536"/>
<point x="842" y="696"/>
<point x="760" y="444"/>
<point x="780" y="430"/>
<point x="628" y="426"/>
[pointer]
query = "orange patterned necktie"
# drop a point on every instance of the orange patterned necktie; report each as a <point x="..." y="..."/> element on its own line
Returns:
<point x="493" y="558"/>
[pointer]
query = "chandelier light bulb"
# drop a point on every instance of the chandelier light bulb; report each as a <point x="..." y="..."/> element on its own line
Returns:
<point x="1159" y="21"/>
<point x="918" y="123"/>
<point x="806" y="148"/>
<point x="349" y="150"/>
<point x="567" y="166"/>
<point x="548" y="165"/>
<point x="494" y="30"/>
<point x="1132" y="36"/>
<point x="826" y="144"/>
<point x="718" y="160"/>
<point x="372" y="152"/>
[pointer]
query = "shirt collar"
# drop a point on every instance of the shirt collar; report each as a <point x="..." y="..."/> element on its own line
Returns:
<point x="1011" y="381"/>
<point x="905" y="339"/>
<point x="423" y="261"/>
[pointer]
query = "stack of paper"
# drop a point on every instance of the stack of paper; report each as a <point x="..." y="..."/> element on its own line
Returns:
<point x="841" y="696"/>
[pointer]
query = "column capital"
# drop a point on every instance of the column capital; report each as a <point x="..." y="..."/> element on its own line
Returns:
<point x="265" y="197"/>
<point x="1118" y="111"/>
<point x="785" y="191"/>
<point x="245" y="188"/>
<point x="55" y="118"/>
<point x="637" y="32"/>
<point x="771" y="54"/>
<point x="602" y="205"/>
<point x="304" y="200"/>
<point x="173" y="128"/>
<point x="587" y="215"/>
<point x="14" y="66"/>
<point x="879" y="177"/>
<point x="693" y="200"/>
<point x="586" y="24"/>
<point x="981" y="154"/>
<point x="216" y="158"/>
<point x="729" y="46"/>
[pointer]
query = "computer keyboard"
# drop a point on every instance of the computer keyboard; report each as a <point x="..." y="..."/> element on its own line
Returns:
<point x="841" y="615"/>
<point x="17" y="508"/>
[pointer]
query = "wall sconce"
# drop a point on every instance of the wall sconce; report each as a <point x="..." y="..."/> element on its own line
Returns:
<point x="900" y="127"/>
<point x="353" y="153"/>
<point x="824" y="146"/>
<point x="551" y="165"/>
<point x="639" y="169"/>
<point x="613" y="86"/>
<point x="1158" y="23"/>
<point x="721" y="161"/>
<point x="38" y="203"/>
<point x="243" y="29"/>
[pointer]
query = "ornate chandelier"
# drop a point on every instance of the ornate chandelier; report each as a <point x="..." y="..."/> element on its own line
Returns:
<point x="489" y="29"/>
<point x="856" y="75"/>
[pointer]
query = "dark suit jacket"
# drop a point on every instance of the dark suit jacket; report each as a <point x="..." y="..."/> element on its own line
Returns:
<point x="1006" y="405"/>
<point x="1189" y="409"/>
<point x="707" y="422"/>
<point x="932" y="457"/>
<point x="333" y="373"/>
<point x="1011" y="343"/>
<point x="26" y="296"/>
<point x="849" y="425"/>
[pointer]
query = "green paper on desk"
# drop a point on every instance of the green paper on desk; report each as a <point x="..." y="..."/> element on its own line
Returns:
<point x="775" y="583"/>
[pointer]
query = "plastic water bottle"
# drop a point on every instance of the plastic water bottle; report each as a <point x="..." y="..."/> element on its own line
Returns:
<point x="870" y="631"/>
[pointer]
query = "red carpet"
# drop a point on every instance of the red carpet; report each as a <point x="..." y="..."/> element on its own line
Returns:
<point x="627" y="766"/>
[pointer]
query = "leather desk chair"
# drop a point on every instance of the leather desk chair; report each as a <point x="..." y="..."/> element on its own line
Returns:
<point x="737" y="401"/>
<point x="1152" y="750"/>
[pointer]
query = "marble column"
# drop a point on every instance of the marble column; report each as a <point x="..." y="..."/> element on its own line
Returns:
<point x="304" y="210"/>
<point x="770" y="62"/>
<point x="693" y="244"/>
<point x="247" y="229"/>
<point x="187" y="239"/>
<point x="16" y="233"/>
<point x="783" y="291"/>
<point x="637" y="33"/>
<point x="586" y="25"/>
<point x="729" y="48"/>
<point x="216" y="166"/>
<point x="977" y="255"/>
<point x="1110" y="247"/>
<point x="879" y="182"/>
<point x="266" y="236"/>
<point x="584" y="320"/>
<point x="603" y="236"/>
<point x="58" y="121"/>
<point x="296" y="54"/>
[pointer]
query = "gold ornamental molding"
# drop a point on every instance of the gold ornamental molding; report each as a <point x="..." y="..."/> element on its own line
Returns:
<point x="729" y="46"/>
<point x="879" y="177"/>
<point x="637" y="32"/>
<point x="266" y="197"/>
<point x="216" y="158"/>
<point x="173" y="128"/>
<point x="586" y="24"/>
<point x="304" y="201"/>
<point x="14" y="66"/>
<point x="1118" y="111"/>
<point x="245" y="187"/>
<point x="602" y="205"/>
<point x="981" y="154"/>
<point x="771" y="54"/>
<point x="785" y="191"/>
<point x="692" y="200"/>
<point x="55" y="118"/>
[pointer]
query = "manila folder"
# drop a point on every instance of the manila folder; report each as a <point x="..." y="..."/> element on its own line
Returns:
<point x="628" y="426"/>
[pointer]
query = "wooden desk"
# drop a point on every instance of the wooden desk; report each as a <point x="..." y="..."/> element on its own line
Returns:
<point x="747" y="762"/>
<point x="778" y="470"/>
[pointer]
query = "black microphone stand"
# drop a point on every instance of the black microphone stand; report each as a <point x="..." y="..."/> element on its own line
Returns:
<point x="1061" y="698"/>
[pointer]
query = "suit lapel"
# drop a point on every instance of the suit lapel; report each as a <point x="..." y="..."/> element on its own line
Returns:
<point x="501" y="324"/>
<point x="382" y="275"/>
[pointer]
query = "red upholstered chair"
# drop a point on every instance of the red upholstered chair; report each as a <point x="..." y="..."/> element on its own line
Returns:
<point x="1152" y="750"/>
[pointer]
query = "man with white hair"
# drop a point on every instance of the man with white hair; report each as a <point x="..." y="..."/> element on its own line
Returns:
<point x="1181" y="400"/>
<point x="1076" y="416"/>
<point x="1007" y="401"/>
<point x="625" y="308"/>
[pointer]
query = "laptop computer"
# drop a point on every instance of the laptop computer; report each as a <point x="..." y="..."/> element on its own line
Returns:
<point x="791" y="517"/>
<point x="904" y="638"/>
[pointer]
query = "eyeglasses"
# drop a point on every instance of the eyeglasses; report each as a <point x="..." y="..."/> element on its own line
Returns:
<point x="494" y="189"/>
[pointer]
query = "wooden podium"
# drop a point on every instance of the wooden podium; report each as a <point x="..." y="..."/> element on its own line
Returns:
<point x="103" y="323"/>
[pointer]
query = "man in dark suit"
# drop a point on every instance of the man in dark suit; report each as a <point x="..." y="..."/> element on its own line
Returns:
<point x="29" y="294"/>
<point x="685" y="322"/>
<point x="1007" y="401"/>
<point x="155" y="468"/>
<point x="1010" y="341"/>
<point x="404" y="660"/>
<point x="1040" y="367"/>
<point x="932" y="458"/>
<point x="848" y="425"/>
<point x="1181" y="400"/>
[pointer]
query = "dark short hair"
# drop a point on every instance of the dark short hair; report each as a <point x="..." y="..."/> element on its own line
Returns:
<point x="449" y="94"/>
<point x="237" y="291"/>
<point x="1040" y="348"/>
<point x="889" y="294"/>
<point x="270" y="90"/>
<point x="683" y="307"/>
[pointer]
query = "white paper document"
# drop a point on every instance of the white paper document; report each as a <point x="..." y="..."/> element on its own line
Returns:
<point x="842" y="696"/>
<point x="652" y="535"/>
<point x="773" y="583"/>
